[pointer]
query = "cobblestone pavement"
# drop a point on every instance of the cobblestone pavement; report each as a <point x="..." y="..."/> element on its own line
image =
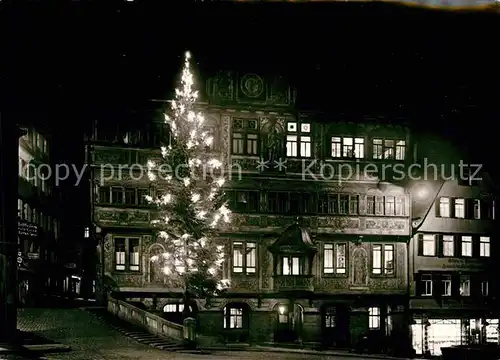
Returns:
<point x="91" y="339"/>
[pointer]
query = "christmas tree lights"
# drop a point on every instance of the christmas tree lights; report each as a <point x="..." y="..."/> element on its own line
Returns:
<point x="191" y="206"/>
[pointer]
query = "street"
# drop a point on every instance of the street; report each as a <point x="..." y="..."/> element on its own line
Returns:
<point x="93" y="340"/>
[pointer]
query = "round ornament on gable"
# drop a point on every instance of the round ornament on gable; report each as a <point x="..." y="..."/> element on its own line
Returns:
<point x="252" y="85"/>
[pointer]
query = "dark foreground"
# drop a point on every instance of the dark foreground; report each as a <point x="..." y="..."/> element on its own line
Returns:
<point x="90" y="339"/>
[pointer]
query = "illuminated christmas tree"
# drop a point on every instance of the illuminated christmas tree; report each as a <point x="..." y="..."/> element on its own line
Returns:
<point x="191" y="205"/>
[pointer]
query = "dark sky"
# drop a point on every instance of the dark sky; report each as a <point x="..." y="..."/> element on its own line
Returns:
<point x="83" y="60"/>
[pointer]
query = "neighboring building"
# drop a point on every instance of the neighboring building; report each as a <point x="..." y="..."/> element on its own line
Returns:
<point x="309" y="259"/>
<point x="452" y="254"/>
<point x="38" y="213"/>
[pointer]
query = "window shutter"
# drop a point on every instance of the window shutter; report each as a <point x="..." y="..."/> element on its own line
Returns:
<point x="439" y="245"/>
<point x="486" y="209"/>
<point x="420" y="242"/>
<point x="457" y="243"/>
<point x="469" y="208"/>
<point x="436" y="206"/>
<point x="475" y="246"/>
<point x="455" y="285"/>
<point x="452" y="207"/>
<point x="437" y="286"/>
<point x="418" y="284"/>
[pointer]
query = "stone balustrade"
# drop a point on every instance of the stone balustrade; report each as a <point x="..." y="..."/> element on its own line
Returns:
<point x="154" y="324"/>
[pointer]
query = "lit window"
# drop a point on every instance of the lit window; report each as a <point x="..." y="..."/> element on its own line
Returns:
<point x="465" y="285"/>
<point x="446" y="280"/>
<point x="124" y="246"/>
<point x="429" y="245"/>
<point x="390" y="202"/>
<point x="460" y="208"/>
<point x="477" y="209"/>
<point x="444" y="207"/>
<point x="233" y="317"/>
<point x="170" y="308"/>
<point x="400" y="149"/>
<point x="120" y="253"/>
<point x="336" y="147"/>
<point x="244" y="257"/>
<point x="330" y="317"/>
<point x="484" y="288"/>
<point x="291" y="145"/>
<point x="298" y="143"/>
<point x="426" y="282"/>
<point x="292" y="265"/>
<point x="383" y="259"/>
<point x="466" y="245"/>
<point x="484" y="246"/>
<point x="334" y="259"/>
<point x="377" y="149"/>
<point x="347" y="147"/>
<point x="359" y="148"/>
<point x="448" y="245"/>
<point x="86" y="233"/>
<point x="374" y="318"/>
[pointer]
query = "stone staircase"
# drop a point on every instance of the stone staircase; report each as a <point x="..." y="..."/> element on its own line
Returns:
<point x="137" y="333"/>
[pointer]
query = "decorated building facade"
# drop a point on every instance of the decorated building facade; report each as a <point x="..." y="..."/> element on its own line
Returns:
<point x="317" y="246"/>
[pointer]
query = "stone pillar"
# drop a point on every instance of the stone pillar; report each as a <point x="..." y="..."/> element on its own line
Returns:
<point x="9" y="170"/>
<point x="311" y="328"/>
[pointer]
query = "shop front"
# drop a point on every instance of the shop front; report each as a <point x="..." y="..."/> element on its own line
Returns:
<point x="28" y="259"/>
<point x="429" y="335"/>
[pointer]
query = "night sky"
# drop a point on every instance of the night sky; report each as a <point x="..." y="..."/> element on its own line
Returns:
<point x="71" y="63"/>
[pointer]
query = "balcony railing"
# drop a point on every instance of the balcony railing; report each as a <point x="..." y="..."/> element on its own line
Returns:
<point x="293" y="283"/>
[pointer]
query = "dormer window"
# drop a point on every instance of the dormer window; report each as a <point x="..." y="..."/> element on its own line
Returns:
<point x="298" y="139"/>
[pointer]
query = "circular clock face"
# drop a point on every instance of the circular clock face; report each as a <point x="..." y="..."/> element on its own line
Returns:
<point x="252" y="85"/>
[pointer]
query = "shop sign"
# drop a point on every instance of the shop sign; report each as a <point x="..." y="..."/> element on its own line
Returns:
<point x="25" y="228"/>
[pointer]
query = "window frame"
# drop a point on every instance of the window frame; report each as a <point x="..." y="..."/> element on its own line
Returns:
<point x="484" y="246"/>
<point x="303" y="142"/>
<point x="291" y="266"/>
<point x="347" y="151"/>
<point x="466" y="245"/>
<point x="459" y="208"/>
<point x="427" y="282"/>
<point x="336" y="270"/>
<point x="446" y="280"/>
<point x="444" y="203"/>
<point x="128" y="266"/>
<point x="431" y="238"/>
<point x="380" y="143"/>
<point x="244" y="244"/>
<point x="228" y="315"/>
<point x="245" y="140"/>
<point x="374" y="318"/>
<point x="384" y="270"/>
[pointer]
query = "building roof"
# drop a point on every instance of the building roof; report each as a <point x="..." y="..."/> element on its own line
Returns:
<point x="293" y="239"/>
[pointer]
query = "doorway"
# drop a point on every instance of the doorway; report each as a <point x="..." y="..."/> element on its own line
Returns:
<point x="290" y="319"/>
<point x="335" y="325"/>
